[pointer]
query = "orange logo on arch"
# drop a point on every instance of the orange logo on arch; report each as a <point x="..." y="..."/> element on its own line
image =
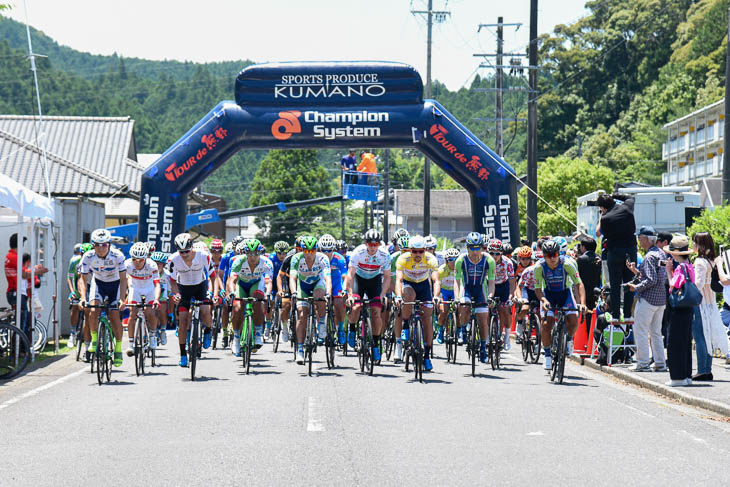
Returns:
<point x="286" y="125"/>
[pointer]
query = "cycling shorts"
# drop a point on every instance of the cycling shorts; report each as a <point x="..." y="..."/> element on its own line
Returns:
<point x="199" y="292"/>
<point x="336" y="285"/>
<point x="307" y="291"/>
<point x="447" y="294"/>
<point x="101" y="290"/>
<point x="135" y="295"/>
<point x="422" y="290"/>
<point x="529" y="295"/>
<point x="562" y="299"/>
<point x="370" y="288"/>
<point x="475" y="294"/>
<point x="255" y="288"/>
<point x="164" y="294"/>
<point x="501" y="291"/>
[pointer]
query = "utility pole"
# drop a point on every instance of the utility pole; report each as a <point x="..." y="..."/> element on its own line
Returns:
<point x="440" y="16"/>
<point x="342" y="206"/>
<point x="500" y="41"/>
<point x="386" y="195"/>
<point x="725" y="156"/>
<point x="532" y="130"/>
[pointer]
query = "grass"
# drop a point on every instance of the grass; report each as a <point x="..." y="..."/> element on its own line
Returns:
<point x="49" y="350"/>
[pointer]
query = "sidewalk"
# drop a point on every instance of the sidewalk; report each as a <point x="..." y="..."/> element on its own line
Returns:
<point x="714" y="396"/>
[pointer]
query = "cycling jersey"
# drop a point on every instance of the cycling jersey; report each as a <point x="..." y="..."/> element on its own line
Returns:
<point x="143" y="278"/>
<point x="164" y="285"/>
<point x="276" y="265"/>
<point x="190" y="275"/>
<point x="225" y="265"/>
<point x="105" y="269"/>
<point x="368" y="266"/>
<point x="73" y="273"/>
<point x="471" y="274"/>
<point x="338" y="269"/>
<point x="447" y="277"/>
<point x="310" y="275"/>
<point x="440" y="258"/>
<point x="416" y="271"/>
<point x="503" y="271"/>
<point x="393" y="259"/>
<point x="242" y="271"/>
<point x="562" y="278"/>
<point x="528" y="278"/>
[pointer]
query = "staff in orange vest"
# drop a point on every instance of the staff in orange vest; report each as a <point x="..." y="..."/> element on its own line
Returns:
<point x="367" y="165"/>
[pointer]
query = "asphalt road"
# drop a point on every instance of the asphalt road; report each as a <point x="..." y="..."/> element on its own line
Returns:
<point x="280" y="427"/>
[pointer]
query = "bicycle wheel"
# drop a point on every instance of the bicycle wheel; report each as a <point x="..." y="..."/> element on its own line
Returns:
<point x="562" y="343"/>
<point x="109" y="363"/>
<point x="100" y="351"/>
<point x="535" y="339"/>
<point x="14" y="351"/>
<point x="495" y="329"/>
<point x="79" y="335"/>
<point x="39" y="335"/>
<point x="526" y="345"/>
<point x="216" y="326"/>
<point x="555" y="350"/>
<point x="311" y="330"/>
<point x="138" y="347"/>
<point x="193" y="347"/>
<point x="249" y="344"/>
<point x="276" y="329"/>
<point x="418" y="351"/>
<point x="473" y="347"/>
<point x="389" y="336"/>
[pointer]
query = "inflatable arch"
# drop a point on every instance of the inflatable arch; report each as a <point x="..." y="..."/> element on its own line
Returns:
<point x="332" y="105"/>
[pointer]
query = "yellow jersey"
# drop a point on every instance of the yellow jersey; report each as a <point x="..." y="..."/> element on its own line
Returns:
<point x="416" y="271"/>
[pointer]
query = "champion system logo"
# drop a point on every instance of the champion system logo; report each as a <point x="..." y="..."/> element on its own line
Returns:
<point x="286" y="125"/>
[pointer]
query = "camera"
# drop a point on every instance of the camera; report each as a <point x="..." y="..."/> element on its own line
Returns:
<point x="591" y="203"/>
<point x="662" y="263"/>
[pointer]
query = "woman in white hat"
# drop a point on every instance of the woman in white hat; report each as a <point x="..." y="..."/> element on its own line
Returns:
<point x="679" y="339"/>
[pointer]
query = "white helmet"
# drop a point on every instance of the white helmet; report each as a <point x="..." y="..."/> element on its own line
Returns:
<point x="184" y="241"/>
<point x="327" y="242"/>
<point x="430" y="242"/>
<point x="229" y="247"/>
<point x="200" y="247"/>
<point x="139" y="250"/>
<point x="417" y="242"/>
<point x="240" y="248"/>
<point x="452" y="253"/>
<point x="101" y="235"/>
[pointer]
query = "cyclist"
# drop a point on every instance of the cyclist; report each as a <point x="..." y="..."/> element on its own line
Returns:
<point x="555" y="276"/>
<point x="71" y="279"/>
<point x="431" y="244"/>
<point x="105" y="266"/>
<point x="250" y="278"/>
<point x="338" y="270"/>
<point x="369" y="269"/>
<point x="402" y="245"/>
<point x="190" y="278"/>
<point x="446" y="274"/>
<point x="143" y="279"/>
<point x="504" y="286"/>
<point x="277" y="258"/>
<point x="525" y="290"/>
<point x="224" y="268"/>
<point x="413" y="270"/>
<point x="472" y="270"/>
<point x="282" y="283"/>
<point x="311" y="271"/>
<point x="160" y="258"/>
<point x="341" y="248"/>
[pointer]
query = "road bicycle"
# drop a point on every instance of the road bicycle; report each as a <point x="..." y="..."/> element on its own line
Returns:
<point x="330" y="340"/>
<point x="389" y="337"/>
<point x="558" y="346"/>
<point x="310" y="341"/>
<point x="473" y="344"/>
<point x="494" y="344"/>
<point x="142" y="338"/>
<point x="103" y="358"/>
<point x="364" y="343"/>
<point x="78" y="330"/>
<point x="217" y="321"/>
<point x="195" y="335"/>
<point x="531" y="346"/>
<point x="451" y="338"/>
<point x="276" y="323"/>
<point x="14" y="347"/>
<point x="414" y="349"/>
<point x="247" y="331"/>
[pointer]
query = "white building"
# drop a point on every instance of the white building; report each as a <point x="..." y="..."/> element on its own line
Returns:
<point x="694" y="146"/>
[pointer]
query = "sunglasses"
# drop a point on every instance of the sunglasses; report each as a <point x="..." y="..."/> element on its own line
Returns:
<point x="101" y="244"/>
<point x="139" y="259"/>
<point x="252" y="252"/>
<point x="309" y="251"/>
<point x="216" y="251"/>
<point x="183" y="252"/>
<point x="550" y="256"/>
<point x="495" y="253"/>
<point x="451" y="259"/>
<point x="474" y="249"/>
<point x="418" y="252"/>
<point x="373" y="244"/>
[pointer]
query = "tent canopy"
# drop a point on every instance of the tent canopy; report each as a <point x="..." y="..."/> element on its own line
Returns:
<point x="23" y="201"/>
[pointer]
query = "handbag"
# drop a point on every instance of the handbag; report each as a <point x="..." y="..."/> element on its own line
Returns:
<point x="715" y="283"/>
<point x="688" y="296"/>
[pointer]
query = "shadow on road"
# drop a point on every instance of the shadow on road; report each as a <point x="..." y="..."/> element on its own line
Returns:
<point x="203" y="378"/>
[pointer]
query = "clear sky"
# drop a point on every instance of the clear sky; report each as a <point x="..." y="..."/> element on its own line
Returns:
<point x="294" y="30"/>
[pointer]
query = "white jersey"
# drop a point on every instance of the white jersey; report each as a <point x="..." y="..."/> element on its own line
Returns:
<point x="190" y="275"/>
<point x="145" y="277"/>
<point x="243" y="272"/>
<point x="368" y="266"/>
<point x="106" y="269"/>
<point x="440" y="258"/>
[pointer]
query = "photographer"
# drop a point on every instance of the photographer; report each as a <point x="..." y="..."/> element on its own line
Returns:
<point x="617" y="226"/>
<point x="651" y="301"/>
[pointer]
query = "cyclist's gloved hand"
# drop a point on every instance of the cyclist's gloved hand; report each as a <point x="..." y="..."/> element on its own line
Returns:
<point x="156" y="303"/>
<point x="397" y="299"/>
<point x="176" y="297"/>
<point x="217" y="300"/>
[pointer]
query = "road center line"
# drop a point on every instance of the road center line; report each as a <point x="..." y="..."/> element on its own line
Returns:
<point x="314" y="423"/>
<point x="42" y="388"/>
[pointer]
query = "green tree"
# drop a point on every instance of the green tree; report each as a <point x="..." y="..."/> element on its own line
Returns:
<point x="715" y="221"/>
<point x="560" y="181"/>
<point x="286" y="176"/>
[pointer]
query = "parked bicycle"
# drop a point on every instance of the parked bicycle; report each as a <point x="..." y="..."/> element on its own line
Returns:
<point x="15" y="350"/>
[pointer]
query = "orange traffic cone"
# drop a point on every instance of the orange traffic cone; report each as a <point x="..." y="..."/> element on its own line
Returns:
<point x="580" y="340"/>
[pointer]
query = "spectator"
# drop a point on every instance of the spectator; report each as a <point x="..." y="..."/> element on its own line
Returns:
<point x="367" y="165"/>
<point x="11" y="274"/>
<point x="707" y="329"/>
<point x="589" y="269"/>
<point x="617" y="225"/>
<point x="663" y="239"/>
<point x="348" y="163"/>
<point x="723" y="270"/>
<point x="651" y="301"/>
<point x="679" y="337"/>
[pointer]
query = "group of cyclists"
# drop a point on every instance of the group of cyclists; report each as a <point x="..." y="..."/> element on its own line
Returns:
<point x="320" y="274"/>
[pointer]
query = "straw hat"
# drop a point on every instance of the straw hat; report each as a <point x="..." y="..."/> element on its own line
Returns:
<point x="678" y="246"/>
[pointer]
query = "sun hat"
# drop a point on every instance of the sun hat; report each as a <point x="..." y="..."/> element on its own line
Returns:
<point x="678" y="246"/>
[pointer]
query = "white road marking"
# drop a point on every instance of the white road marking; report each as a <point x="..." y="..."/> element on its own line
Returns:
<point x="314" y="423"/>
<point x="535" y="433"/>
<point x="42" y="388"/>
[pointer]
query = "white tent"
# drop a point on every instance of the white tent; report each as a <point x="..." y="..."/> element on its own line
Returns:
<point x="26" y="204"/>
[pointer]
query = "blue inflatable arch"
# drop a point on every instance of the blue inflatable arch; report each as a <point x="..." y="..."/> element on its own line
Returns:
<point x="327" y="105"/>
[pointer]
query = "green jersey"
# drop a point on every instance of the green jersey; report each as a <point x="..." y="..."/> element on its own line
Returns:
<point x="73" y="272"/>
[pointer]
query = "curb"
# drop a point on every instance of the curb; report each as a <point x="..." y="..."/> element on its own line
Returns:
<point x="661" y="389"/>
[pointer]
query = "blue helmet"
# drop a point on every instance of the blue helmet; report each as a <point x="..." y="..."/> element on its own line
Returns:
<point x="563" y="243"/>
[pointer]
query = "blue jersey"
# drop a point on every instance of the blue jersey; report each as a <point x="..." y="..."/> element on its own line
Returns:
<point x="277" y="265"/>
<point x="338" y="267"/>
<point x="225" y="265"/>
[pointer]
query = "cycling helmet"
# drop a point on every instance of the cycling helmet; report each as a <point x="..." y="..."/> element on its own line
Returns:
<point x="184" y="241"/>
<point x="538" y="255"/>
<point x="86" y="247"/>
<point x="327" y="243"/>
<point x="159" y="257"/>
<point x="78" y="248"/>
<point x="401" y="232"/>
<point x="485" y="240"/>
<point x="431" y="242"/>
<point x="237" y="240"/>
<point x="139" y="251"/>
<point x="240" y="248"/>
<point x="250" y="245"/>
<point x="262" y="249"/>
<point x="101" y="236"/>
<point x="281" y="247"/>
<point x="309" y="242"/>
<point x="474" y="239"/>
<point x="551" y="247"/>
<point x="150" y="247"/>
<point x="216" y="244"/>
<point x="372" y="235"/>
<point x="229" y="247"/>
<point x="341" y="246"/>
<point x="298" y="242"/>
<point x="524" y="252"/>
<point x="495" y="245"/>
<point x="200" y="247"/>
<point x="507" y="248"/>
<point x="451" y="254"/>
<point x="417" y="242"/>
<point x="562" y="243"/>
<point x="404" y="241"/>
